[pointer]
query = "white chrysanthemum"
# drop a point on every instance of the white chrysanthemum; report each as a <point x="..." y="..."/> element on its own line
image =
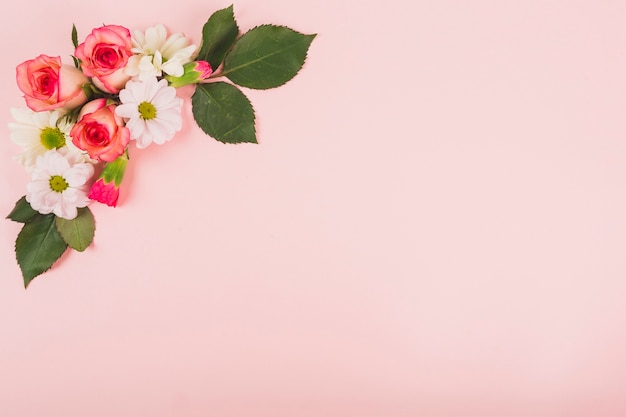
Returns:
<point x="59" y="184"/>
<point x="151" y="110"/>
<point x="39" y="132"/>
<point x="156" y="53"/>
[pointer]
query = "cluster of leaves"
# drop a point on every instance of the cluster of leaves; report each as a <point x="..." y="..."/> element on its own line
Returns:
<point x="45" y="237"/>
<point x="265" y="57"/>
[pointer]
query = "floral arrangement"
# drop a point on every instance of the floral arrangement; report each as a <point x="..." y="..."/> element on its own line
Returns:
<point x="81" y="119"/>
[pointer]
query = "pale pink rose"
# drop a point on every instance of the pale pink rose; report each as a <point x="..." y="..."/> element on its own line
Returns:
<point x="103" y="57"/>
<point x="49" y="84"/>
<point x="100" y="132"/>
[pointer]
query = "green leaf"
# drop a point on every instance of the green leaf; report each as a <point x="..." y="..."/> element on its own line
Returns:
<point x="224" y="112"/>
<point x="22" y="212"/>
<point x="38" y="246"/>
<point x="266" y="57"/>
<point x="74" y="36"/>
<point x="218" y="35"/>
<point x="78" y="233"/>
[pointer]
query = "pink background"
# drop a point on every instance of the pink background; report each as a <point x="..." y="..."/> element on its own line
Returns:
<point x="433" y="224"/>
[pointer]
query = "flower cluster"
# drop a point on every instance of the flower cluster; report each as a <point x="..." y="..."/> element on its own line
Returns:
<point x="80" y="119"/>
<point x="121" y="91"/>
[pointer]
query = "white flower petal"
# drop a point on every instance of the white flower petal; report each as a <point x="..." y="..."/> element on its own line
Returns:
<point x="168" y="119"/>
<point x="144" y="140"/>
<point x="57" y="164"/>
<point x="62" y="203"/>
<point x="38" y="186"/>
<point x="78" y="175"/>
<point x="27" y="129"/>
<point x="127" y="110"/>
<point x="65" y="211"/>
<point x="158" y="53"/>
<point x="173" y="68"/>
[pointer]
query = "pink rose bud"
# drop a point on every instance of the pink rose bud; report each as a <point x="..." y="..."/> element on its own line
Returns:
<point x="48" y="84"/>
<point x="204" y="68"/>
<point x="195" y="72"/>
<point x="106" y="189"/>
<point x="106" y="193"/>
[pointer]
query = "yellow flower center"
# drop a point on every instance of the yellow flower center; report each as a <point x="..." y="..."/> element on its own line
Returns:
<point x="58" y="183"/>
<point x="147" y="111"/>
<point x="52" y="137"/>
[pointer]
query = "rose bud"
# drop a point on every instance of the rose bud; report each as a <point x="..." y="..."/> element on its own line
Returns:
<point x="106" y="189"/>
<point x="195" y="72"/>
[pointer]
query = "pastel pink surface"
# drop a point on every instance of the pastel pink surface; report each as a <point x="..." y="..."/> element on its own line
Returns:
<point x="433" y="224"/>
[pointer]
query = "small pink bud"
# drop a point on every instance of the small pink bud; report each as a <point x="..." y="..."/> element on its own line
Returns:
<point x="104" y="193"/>
<point x="204" y="69"/>
<point x="107" y="188"/>
<point x="195" y="72"/>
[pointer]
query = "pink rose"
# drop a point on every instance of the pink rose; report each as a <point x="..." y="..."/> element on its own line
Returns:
<point x="103" y="57"/>
<point x="49" y="84"/>
<point x="106" y="193"/>
<point x="100" y="132"/>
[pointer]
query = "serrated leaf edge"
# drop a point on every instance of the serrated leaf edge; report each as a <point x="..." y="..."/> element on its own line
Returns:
<point x="306" y="55"/>
<point x="232" y="11"/>
<point x="78" y="249"/>
<point x="35" y="213"/>
<point x="26" y="284"/>
<point x="253" y="119"/>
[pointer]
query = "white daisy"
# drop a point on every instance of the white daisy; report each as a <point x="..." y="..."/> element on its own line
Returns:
<point x="59" y="184"/>
<point x="156" y="53"/>
<point x="39" y="132"/>
<point x="151" y="110"/>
